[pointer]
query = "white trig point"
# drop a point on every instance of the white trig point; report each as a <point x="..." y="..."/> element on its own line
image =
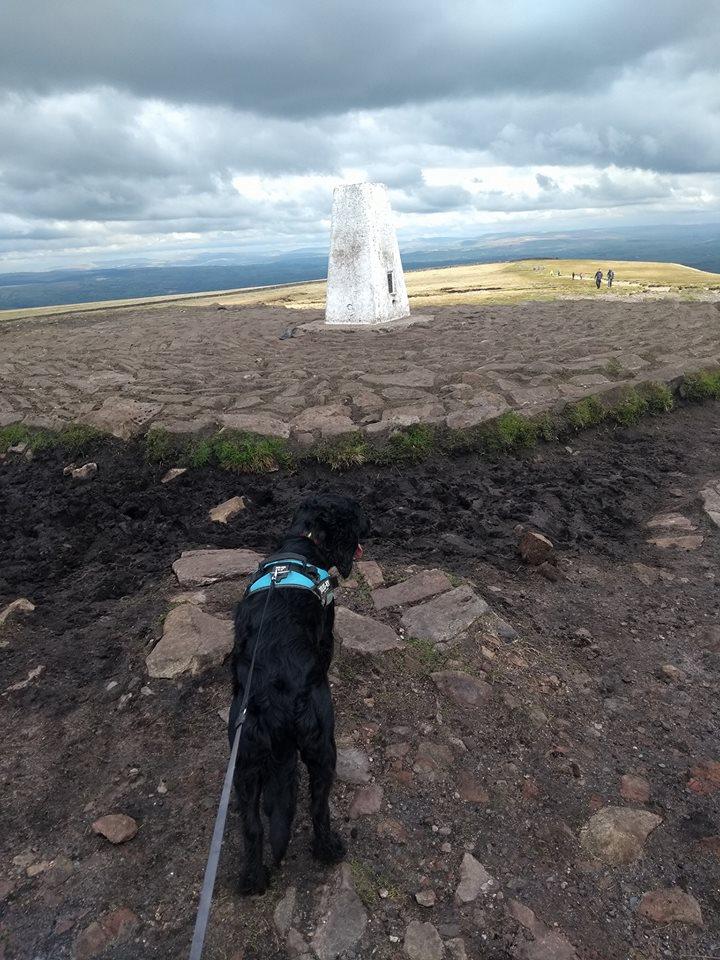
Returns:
<point x="365" y="277"/>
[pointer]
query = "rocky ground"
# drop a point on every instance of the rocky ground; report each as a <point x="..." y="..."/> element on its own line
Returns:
<point x="264" y="369"/>
<point x="529" y="755"/>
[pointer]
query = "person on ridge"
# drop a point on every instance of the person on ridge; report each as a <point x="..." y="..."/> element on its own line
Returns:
<point x="610" y="277"/>
<point x="598" y="278"/>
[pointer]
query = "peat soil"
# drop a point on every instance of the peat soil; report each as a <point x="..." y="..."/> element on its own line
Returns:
<point x="579" y="700"/>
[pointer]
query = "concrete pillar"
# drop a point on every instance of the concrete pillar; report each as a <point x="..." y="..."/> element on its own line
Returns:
<point x="365" y="275"/>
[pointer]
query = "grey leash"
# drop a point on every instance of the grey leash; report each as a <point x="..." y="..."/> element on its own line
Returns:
<point x="206" y="894"/>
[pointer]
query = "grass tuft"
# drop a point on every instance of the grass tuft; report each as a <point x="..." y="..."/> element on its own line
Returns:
<point x="340" y="453"/>
<point x="71" y="440"/>
<point x="409" y="444"/>
<point x="659" y="397"/>
<point x="704" y="385"/>
<point x="424" y="654"/>
<point x="588" y="412"/>
<point x="511" y="431"/>
<point x="630" y="409"/>
<point x="160" y="446"/>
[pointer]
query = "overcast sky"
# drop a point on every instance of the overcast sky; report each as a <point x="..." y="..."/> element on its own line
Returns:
<point x="164" y="130"/>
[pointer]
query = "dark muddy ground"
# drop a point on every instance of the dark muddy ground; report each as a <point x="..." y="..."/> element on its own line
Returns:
<point x="570" y="713"/>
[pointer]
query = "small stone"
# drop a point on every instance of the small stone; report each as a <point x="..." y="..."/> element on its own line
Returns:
<point x="116" y="827"/>
<point x="688" y="543"/>
<point x="353" y="766"/>
<point x="671" y="905"/>
<point x="530" y="789"/>
<point x="506" y="631"/>
<point x="283" y="913"/>
<point x="443" y="618"/>
<point x="422" y="942"/>
<point x="456" y="949"/>
<point x="197" y="597"/>
<point x="367" y="801"/>
<point x="670" y="672"/>
<point x="31" y="677"/>
<point x="427" y="583"/>
<point x="173" y="473"/>
<point x="6" y="888"/>
<point x="61" y="869"/>
<point x="86" y="472"/>
<point x="705" y="778"/>
<point x="392" y="829"/>
<point x="18" y="448"/>
<point x="371" y="573"/>
<point x="426" y="898"/>
<point x="114" y="927"/>
<point x="471" y="790"/>
<point x="432" y="760"/>
<point x="192" y="642"/>
<point x="464" y="689"/>
<point x="634" y="788"/>
<point x="363" y="634"/>
<point x="474" y="880"/>
<point x="16" y="609"/>
<point x="227" y="510"/>
<point x="535" y="548"/>
<point x="616" y="835"/>
<point x="37" y="868"/>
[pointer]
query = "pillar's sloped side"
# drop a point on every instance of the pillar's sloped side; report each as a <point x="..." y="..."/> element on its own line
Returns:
<point x="363" y="253"/>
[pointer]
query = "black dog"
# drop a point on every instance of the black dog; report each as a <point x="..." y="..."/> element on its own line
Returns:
<point x="290" y="707"/>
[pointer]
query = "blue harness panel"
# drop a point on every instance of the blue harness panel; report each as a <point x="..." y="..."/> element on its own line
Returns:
<point x="295" y="573"/>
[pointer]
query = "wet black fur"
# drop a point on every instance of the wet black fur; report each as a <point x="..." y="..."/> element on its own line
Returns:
<point x="290" y="710"/>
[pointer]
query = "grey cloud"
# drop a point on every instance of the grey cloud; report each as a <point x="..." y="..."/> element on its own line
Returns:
<point x="314" y="57"/>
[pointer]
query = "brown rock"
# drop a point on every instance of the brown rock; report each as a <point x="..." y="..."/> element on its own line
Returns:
<point x="367" y="801"/>
<point x="690" y="542"/>
<point x="671" y="521"/>
<point x="192" y="642"/>
<point x="444" y="617"/>
<point x="371" y="573"/>
<point x="705" y="778"/>
<point x="391" y="829"/>
<point x="6" y="888"/>
<point x="634" y="788"/>
<point x="426" y="898"/>
<point x="227" y="510"/>
<point x="616" y="835"/>
<point x="283" y="913"/>
<point x="709" y="844"/>
<point x="432" y="760"/>
<point x="530" y="789"/>
<point x="422" y="942"/>
<point x="427" y="583"/>
<point x="199" y="567"/>
<point x="86" y="472"/>
<point x="535" y="548"/>
<point x="114" y="927"/>
<point x="671" y="905"/>
<point x="116" y="827"/>
<point x="343" y="917"/>
<point x="124" y="418"/>
<point x="330" y="420"/>
<point x="363" y="634"/>
<point x="670" y="672"/>
<point x="464" y="689"/>
<point x="471" y="790"/>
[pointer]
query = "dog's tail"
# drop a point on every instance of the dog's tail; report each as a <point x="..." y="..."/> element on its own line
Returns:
<point x="280" y="800"/>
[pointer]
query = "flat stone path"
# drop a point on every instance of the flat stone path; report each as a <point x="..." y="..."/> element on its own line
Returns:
<point x="187" y="367"/>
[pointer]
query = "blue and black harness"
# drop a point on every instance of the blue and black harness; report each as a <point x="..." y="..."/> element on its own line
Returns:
<point x="291" y="570"/>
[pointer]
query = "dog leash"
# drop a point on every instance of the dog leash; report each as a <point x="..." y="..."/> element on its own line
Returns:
<point x="206" y="893"/>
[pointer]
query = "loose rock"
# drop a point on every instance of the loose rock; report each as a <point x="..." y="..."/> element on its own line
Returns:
<point x="371" y="573"/>
<point x="114" y="927"/>
<point x="173" y="474"/>
<point x="634" y="788"/>
<point x="196" y="568"/>
<point x="86" y="472"/>
<point x="705" y="778"/>
<point x="464" y="689"/>
<point x="616" y="835"/>
<point x="343" y="917"/>
<point x="474" y="880"/>
<point x="446" y="616"/>
<point x="367" y="801"/>
<point x="192" y="642"/>
<point x="427" y="583"/>
<point x="422" y="942"/>
<point x="391" y="829"/>
<point x="671" y="905"/>
<point x="16" y="609"/>
<point x="535" y="548"/>
<point x="227" y="510"/>
<point x="283" y="913"/>
<point x="116" y="827"/>
<point x="426" y="898"/>
<point x="363" y="634"/>
<point x="353" y="766"/>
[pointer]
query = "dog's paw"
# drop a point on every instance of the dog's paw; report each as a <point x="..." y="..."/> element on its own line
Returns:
<point x="329" y="848"/>
<point x="254" y="882"/>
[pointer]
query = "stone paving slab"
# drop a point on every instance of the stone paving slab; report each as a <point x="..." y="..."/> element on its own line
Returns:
<point x="187" y="367"/>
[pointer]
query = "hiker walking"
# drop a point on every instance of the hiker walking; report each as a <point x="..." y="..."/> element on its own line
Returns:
<point x="598" y="279"/>
<point x="610" y="277"/>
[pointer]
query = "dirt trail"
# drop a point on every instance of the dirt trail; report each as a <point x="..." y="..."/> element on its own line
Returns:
<point x="578" y="700"/>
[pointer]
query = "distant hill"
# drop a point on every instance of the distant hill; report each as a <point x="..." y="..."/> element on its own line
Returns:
<point x="696" y="246"/>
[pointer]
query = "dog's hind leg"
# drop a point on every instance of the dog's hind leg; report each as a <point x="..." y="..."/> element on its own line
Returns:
<point x="318" y="754"/>
<point x="279" y="800"/>
<point x="254" y="877"/>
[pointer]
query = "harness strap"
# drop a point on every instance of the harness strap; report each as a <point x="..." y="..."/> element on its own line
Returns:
<point x="290" y="570"/>
<point x="206" y="893"/>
